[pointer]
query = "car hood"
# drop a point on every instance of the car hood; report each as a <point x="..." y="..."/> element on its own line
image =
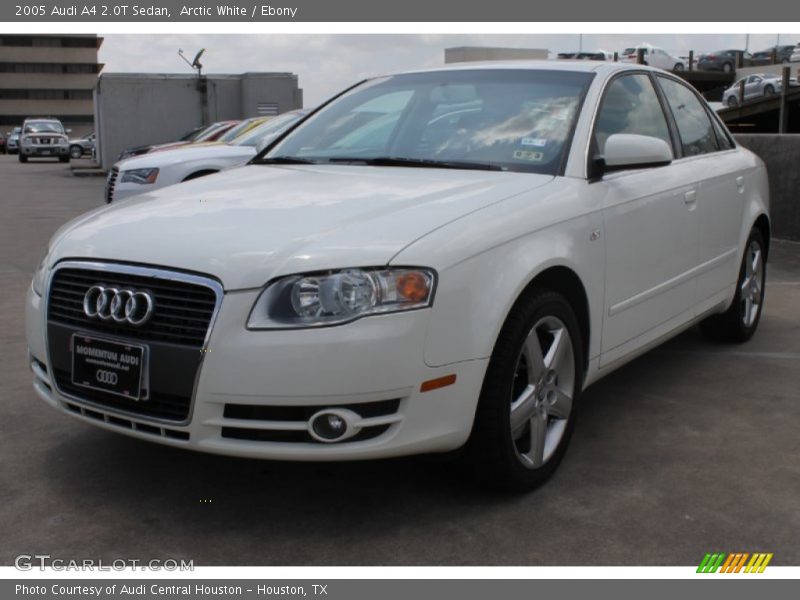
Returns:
<point x="191" y="152"/>
<point x="250" y="224"/>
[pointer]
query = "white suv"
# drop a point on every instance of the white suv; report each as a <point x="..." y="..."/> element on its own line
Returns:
<point x="431" y="260"/>
<point x="43" y="138"/>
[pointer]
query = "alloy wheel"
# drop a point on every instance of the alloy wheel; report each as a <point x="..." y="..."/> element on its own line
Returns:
<point x="752" y="284"/>
<point x="541" y="398"/>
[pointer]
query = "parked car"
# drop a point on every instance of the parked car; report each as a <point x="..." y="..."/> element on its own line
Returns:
<point x="772" y="55"/>
<point x="755" y="86"/>
<point x="155" y="170"/>
<point x="201" y="134"/>
<point x="43" y="138"/>
<point x="12" y="141"/>
<point x="795" y="57"/>
<point x="444" y="283"/>
<point x="82" y="146"/>
<point x="723" y="60"/>
<point x="653" y="56"/>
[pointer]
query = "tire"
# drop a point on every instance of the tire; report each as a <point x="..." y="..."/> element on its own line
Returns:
<point x="75" y="151"/>
<point x="739" y="322"/>
<point x="678" y="68"/>
<point x="727" y="67"/>
<point x="63" y="159"/>
<point x="733" y="101"/>
<point x="769" y="90"/>
<point x="542" y="324"/>
<point x="23" y="158"/>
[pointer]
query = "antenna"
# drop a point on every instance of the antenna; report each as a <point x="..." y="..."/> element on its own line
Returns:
<point x="194" y="64"/>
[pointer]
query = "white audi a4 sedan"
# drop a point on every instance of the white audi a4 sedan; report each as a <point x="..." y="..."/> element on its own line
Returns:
<point x="432" y="261"/>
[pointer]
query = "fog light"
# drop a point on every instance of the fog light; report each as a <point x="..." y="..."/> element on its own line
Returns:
<point x="333" y="425"/>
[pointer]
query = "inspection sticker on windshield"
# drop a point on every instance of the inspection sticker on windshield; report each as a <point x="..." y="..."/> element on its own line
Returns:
<point x="528" y="155"/>
<point x="538" y="142"/>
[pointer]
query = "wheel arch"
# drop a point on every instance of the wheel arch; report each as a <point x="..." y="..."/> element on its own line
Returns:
<point x="565" y="281"/>
<point x="763" y="225"/>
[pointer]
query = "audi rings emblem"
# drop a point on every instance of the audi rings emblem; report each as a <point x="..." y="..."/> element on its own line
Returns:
<point x="119" y="305"/>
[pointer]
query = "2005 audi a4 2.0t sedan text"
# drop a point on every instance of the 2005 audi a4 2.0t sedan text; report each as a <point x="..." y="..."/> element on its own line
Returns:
<point x="431" y="261"/>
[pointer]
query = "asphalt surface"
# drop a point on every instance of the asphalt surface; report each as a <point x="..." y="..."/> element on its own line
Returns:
<point x="694" y="447"/>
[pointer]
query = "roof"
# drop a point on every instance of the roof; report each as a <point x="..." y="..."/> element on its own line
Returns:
<point x="586" y="66"/>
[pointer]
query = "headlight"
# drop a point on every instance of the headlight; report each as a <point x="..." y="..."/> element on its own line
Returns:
<point x="139" y="176"/>
<point x="317" y="300"/>
<point x="26" y="141"/>
<point x="40" y="276"/>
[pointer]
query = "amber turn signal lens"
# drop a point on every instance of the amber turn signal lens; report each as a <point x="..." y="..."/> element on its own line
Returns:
<point x="435" y="384"/>
<point x="413" y="286"/>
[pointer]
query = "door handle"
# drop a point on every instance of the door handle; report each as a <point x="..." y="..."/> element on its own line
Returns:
<point x="690" y="199"/>
<point x="740" y="184"/>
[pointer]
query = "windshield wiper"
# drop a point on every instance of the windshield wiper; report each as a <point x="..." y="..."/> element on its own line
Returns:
<point x="398" y="161"/>
<point x="284" y="160"/>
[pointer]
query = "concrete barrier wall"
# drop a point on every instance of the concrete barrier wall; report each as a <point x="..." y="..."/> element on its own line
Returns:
<point x="781" y="153"/>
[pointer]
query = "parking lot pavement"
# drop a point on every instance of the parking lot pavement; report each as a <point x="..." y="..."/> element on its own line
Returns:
<point x="691" y="448"/>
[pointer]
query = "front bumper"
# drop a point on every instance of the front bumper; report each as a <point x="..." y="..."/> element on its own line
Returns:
<point x="255" y="390"/>
<point x="45" y="150"/>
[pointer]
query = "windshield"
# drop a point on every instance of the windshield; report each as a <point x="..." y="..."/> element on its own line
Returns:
<point x="44" y="127"/>
<point x="271" y="128"/>
<point x="239" y="129"/>
<point x="517" y="120"/>
<point x="190" y="135"/>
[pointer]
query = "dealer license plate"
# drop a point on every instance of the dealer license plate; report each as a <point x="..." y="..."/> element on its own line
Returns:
<point x="108" y="366"/>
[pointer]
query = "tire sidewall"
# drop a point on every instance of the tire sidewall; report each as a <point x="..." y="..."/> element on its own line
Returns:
<point x="496" y="392"/>
<point x="744" y="332"/>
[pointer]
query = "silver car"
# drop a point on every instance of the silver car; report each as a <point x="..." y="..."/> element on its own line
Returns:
<point x="81" y="146"/>
<point x="12" y="142"/>
<point x="755" y="86"/>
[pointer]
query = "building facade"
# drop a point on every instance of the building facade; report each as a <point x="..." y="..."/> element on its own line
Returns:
<point x="49" y="76"/>
<point x="137" y="109"/>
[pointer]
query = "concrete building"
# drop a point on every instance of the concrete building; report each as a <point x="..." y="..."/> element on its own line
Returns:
<point x="137" y="109"/>
<point x="480" y="53"/>
<point x="48" y="75"/>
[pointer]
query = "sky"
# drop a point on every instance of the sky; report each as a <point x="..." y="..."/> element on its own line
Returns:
<point x="326" y="64"/>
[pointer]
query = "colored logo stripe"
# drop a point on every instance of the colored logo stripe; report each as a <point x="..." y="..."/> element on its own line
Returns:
<point x="734" y="562"/>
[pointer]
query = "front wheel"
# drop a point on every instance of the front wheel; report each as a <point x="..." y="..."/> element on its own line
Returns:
<point x="739" y="322"/>
<point x="733" y="101"/>
<point x="75" y="151"/>
<point x="678" y="68"/>
<point x="23" y="158"/>
<point x="526" y="410"/>
<point x="727" y="67"/>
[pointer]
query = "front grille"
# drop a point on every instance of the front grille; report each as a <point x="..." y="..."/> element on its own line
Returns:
<point x="182" y="311"/>
<point x="183" y="307"/>
<point x="111" y="183"/>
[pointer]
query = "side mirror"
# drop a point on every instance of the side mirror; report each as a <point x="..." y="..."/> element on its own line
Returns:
<point x="631" y="151"/>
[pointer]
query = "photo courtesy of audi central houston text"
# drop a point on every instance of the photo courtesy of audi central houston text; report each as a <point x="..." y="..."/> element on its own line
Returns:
<point x="418" y="266"/>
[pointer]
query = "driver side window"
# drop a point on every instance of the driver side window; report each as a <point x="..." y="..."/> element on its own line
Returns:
<point x="630" y="105"/>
